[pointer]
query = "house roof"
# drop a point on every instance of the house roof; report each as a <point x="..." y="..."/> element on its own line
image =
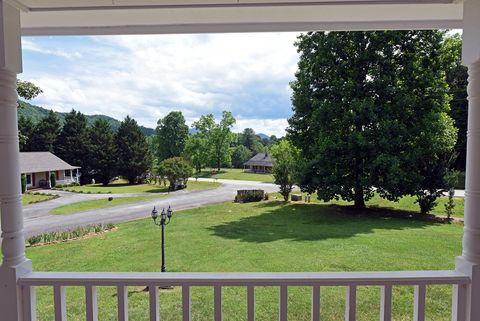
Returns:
<point x="95" y="17"/>
<point x="260" y="159"/>
<point x="34" y="162"/>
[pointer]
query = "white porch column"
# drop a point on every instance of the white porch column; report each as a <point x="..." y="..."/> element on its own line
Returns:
<point x="469" y="262"/>
<point x="14" y="263"/>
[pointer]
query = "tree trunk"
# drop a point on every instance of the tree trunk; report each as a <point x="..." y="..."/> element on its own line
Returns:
<point x="359" y="201"/>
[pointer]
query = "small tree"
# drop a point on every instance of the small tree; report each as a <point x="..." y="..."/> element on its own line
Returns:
<point x="24" y="183"/>
<point x="177" y="171"/>
<point x="285" y="162"/>
<point x="53" y="179"/>
<point x="451" y="180"/>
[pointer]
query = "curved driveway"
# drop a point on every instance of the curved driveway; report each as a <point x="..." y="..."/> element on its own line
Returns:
<point x="37" y="217"/>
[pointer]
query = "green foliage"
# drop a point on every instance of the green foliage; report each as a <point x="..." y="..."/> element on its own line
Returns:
<point x="102" y="154"/>
<point x="53" y="179"/>
<point x="27" y="90"/>
<point x="24" y="183"/>
<point x="172" y="133"/>
<point x="250" y="195"/>
<point x="196" y="151"/>
<point x="44" y="135"/>
<point x="457" y="79"/>
<point x="450" y="205"/>
<point x="285" y="166"/>
<point x="72" y="143"/>
<point x="25" y="128"/>
<point x="371" y="110"/>
<point x="132" y="150"/>
<point x="218" y="136"/>
<point x="240" y="155"/>
<point x="177" y="170"/>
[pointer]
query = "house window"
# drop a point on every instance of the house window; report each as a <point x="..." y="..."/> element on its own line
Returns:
<point x="29" y="179"/>
<point x="68" y="173"/>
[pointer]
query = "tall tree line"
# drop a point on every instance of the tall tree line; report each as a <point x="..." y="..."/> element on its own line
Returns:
<point x="101" y="153"/>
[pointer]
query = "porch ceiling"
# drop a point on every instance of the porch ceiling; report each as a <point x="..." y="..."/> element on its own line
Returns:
<point x="78" y="17"/>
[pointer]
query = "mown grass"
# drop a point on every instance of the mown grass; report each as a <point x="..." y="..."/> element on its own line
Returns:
<point x="406" y="203"/>
<point x="235" y="173"/>
<point x="29" y="198"/>
<point x="266" y="236"/>
<point x="120" y="187"/>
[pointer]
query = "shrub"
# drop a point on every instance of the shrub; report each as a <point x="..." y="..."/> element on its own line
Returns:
<point x="427" y="200"/>
<point x="266" y="196"/>
<point x="34" y="240"/>
<point x="53" y="179"/>
<point x="249" y="195"/>
<point x="24" y="183"/>
<point x="177" y="170"/>
<point x="51" y="237"/>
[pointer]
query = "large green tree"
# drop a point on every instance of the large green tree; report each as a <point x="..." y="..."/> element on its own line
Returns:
<point x="72" y="142"/>
<point x="172" y="134"/>
<point x="26" y="127"/>
<point x="132" y="147"/>
<point x="196" y="150"/>
<point x="457" y="79"/>
<point x="219" y="136"/>
<point x="370" y="110"/>
<point x="240" y="156"/>
<point x="45" y="134"/>
<point x="102" y="154"/>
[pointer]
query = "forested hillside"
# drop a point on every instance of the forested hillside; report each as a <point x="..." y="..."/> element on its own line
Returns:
<point x="35" y="113"/>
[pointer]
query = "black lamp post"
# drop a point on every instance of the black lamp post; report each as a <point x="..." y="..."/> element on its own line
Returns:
<point x="164" y="220"/>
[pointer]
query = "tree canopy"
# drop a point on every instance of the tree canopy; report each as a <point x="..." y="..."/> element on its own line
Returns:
<point x="172" y="133"/>
<point x="370" y="110"/>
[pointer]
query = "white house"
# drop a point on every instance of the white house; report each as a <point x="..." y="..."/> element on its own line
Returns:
<point x="37" y="167"/>
<point x="109" y="17"/>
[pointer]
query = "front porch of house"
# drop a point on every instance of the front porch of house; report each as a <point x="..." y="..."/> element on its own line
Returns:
<point x="29" y="17"/>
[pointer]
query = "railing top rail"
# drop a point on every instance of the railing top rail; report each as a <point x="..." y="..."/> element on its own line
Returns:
<point x="244" y="278"/>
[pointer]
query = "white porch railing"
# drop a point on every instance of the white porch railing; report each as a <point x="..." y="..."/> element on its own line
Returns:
<point x="351" y="280"/>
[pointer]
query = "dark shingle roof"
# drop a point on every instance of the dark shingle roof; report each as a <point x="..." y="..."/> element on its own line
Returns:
<point x="260" y="159"/>
<point x="34" y="162"/>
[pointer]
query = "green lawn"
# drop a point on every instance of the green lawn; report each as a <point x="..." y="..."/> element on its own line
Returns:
<point x="267" y="236"/>
<point x="235" y="173"/>
<point x="121" y="187"/>
<point x="29" y="198"/>
<point x="406" y="203"/>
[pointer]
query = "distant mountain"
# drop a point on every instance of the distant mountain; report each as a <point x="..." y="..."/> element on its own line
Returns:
<point x="262" y="136"/>
<point x="36" y="113"/>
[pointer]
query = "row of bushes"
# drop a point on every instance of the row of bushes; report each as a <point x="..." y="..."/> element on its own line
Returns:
<point x="66" y="185"/>
<point x="53" y="237"/>
<point x="50" y="197"/>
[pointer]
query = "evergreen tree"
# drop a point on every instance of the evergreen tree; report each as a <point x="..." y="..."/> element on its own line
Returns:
<point x="132" y="147"/>
<point x="172" y="133"/>
<point x="240" y="155"/>
<point x="45" y="134"/>
<point x="72" y="143"/>
<point x="102" y="155"/>
<point x="370" y="110"/>
<point x="26" y="127"/>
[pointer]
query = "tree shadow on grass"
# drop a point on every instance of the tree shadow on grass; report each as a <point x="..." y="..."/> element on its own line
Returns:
<point x="311" y="222"/>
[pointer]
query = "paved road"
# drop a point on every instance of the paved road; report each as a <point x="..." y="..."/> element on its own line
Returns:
<point x="38" y="220"/>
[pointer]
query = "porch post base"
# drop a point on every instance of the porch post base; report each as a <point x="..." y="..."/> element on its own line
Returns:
<point x="10" y="294"/>
<point x="473" y="290"/>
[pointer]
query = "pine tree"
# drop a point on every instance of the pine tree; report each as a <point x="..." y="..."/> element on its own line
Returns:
<point x="102" y="155"/>
<point x="132" y="149"/>
<point x="45" y="134"/>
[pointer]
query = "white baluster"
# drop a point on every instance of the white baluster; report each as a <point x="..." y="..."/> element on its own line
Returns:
<point x="29" y="303"/>
<point x="386" y="303"/>
<point x="60" y="303"/>
<point x="154" y="308"/>
<point x="419" y="303"/>
<point x="186" y="303"/>
<point x="283" y="308"/>
<point x="217" y="297"/>
<point x="122" y="302"/>
<point x="351" y="303"/>
<point x="250" y="303"/>
<point x="458" y="302"/>
<point x="91" y="300"/>
<point x="316" y="303"/>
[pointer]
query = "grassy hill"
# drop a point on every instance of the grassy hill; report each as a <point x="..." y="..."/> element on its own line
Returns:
<point x="35" y="113"/>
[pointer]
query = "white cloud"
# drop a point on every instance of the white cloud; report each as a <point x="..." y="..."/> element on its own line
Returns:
<point x="148" y="76"/>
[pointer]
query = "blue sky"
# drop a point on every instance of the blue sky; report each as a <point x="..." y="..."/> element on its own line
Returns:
<point x="148" y="76"/>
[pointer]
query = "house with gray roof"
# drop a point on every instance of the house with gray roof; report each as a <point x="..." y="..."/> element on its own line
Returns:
<point x="260" y="163"/>
<point x="37" y="167"/>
